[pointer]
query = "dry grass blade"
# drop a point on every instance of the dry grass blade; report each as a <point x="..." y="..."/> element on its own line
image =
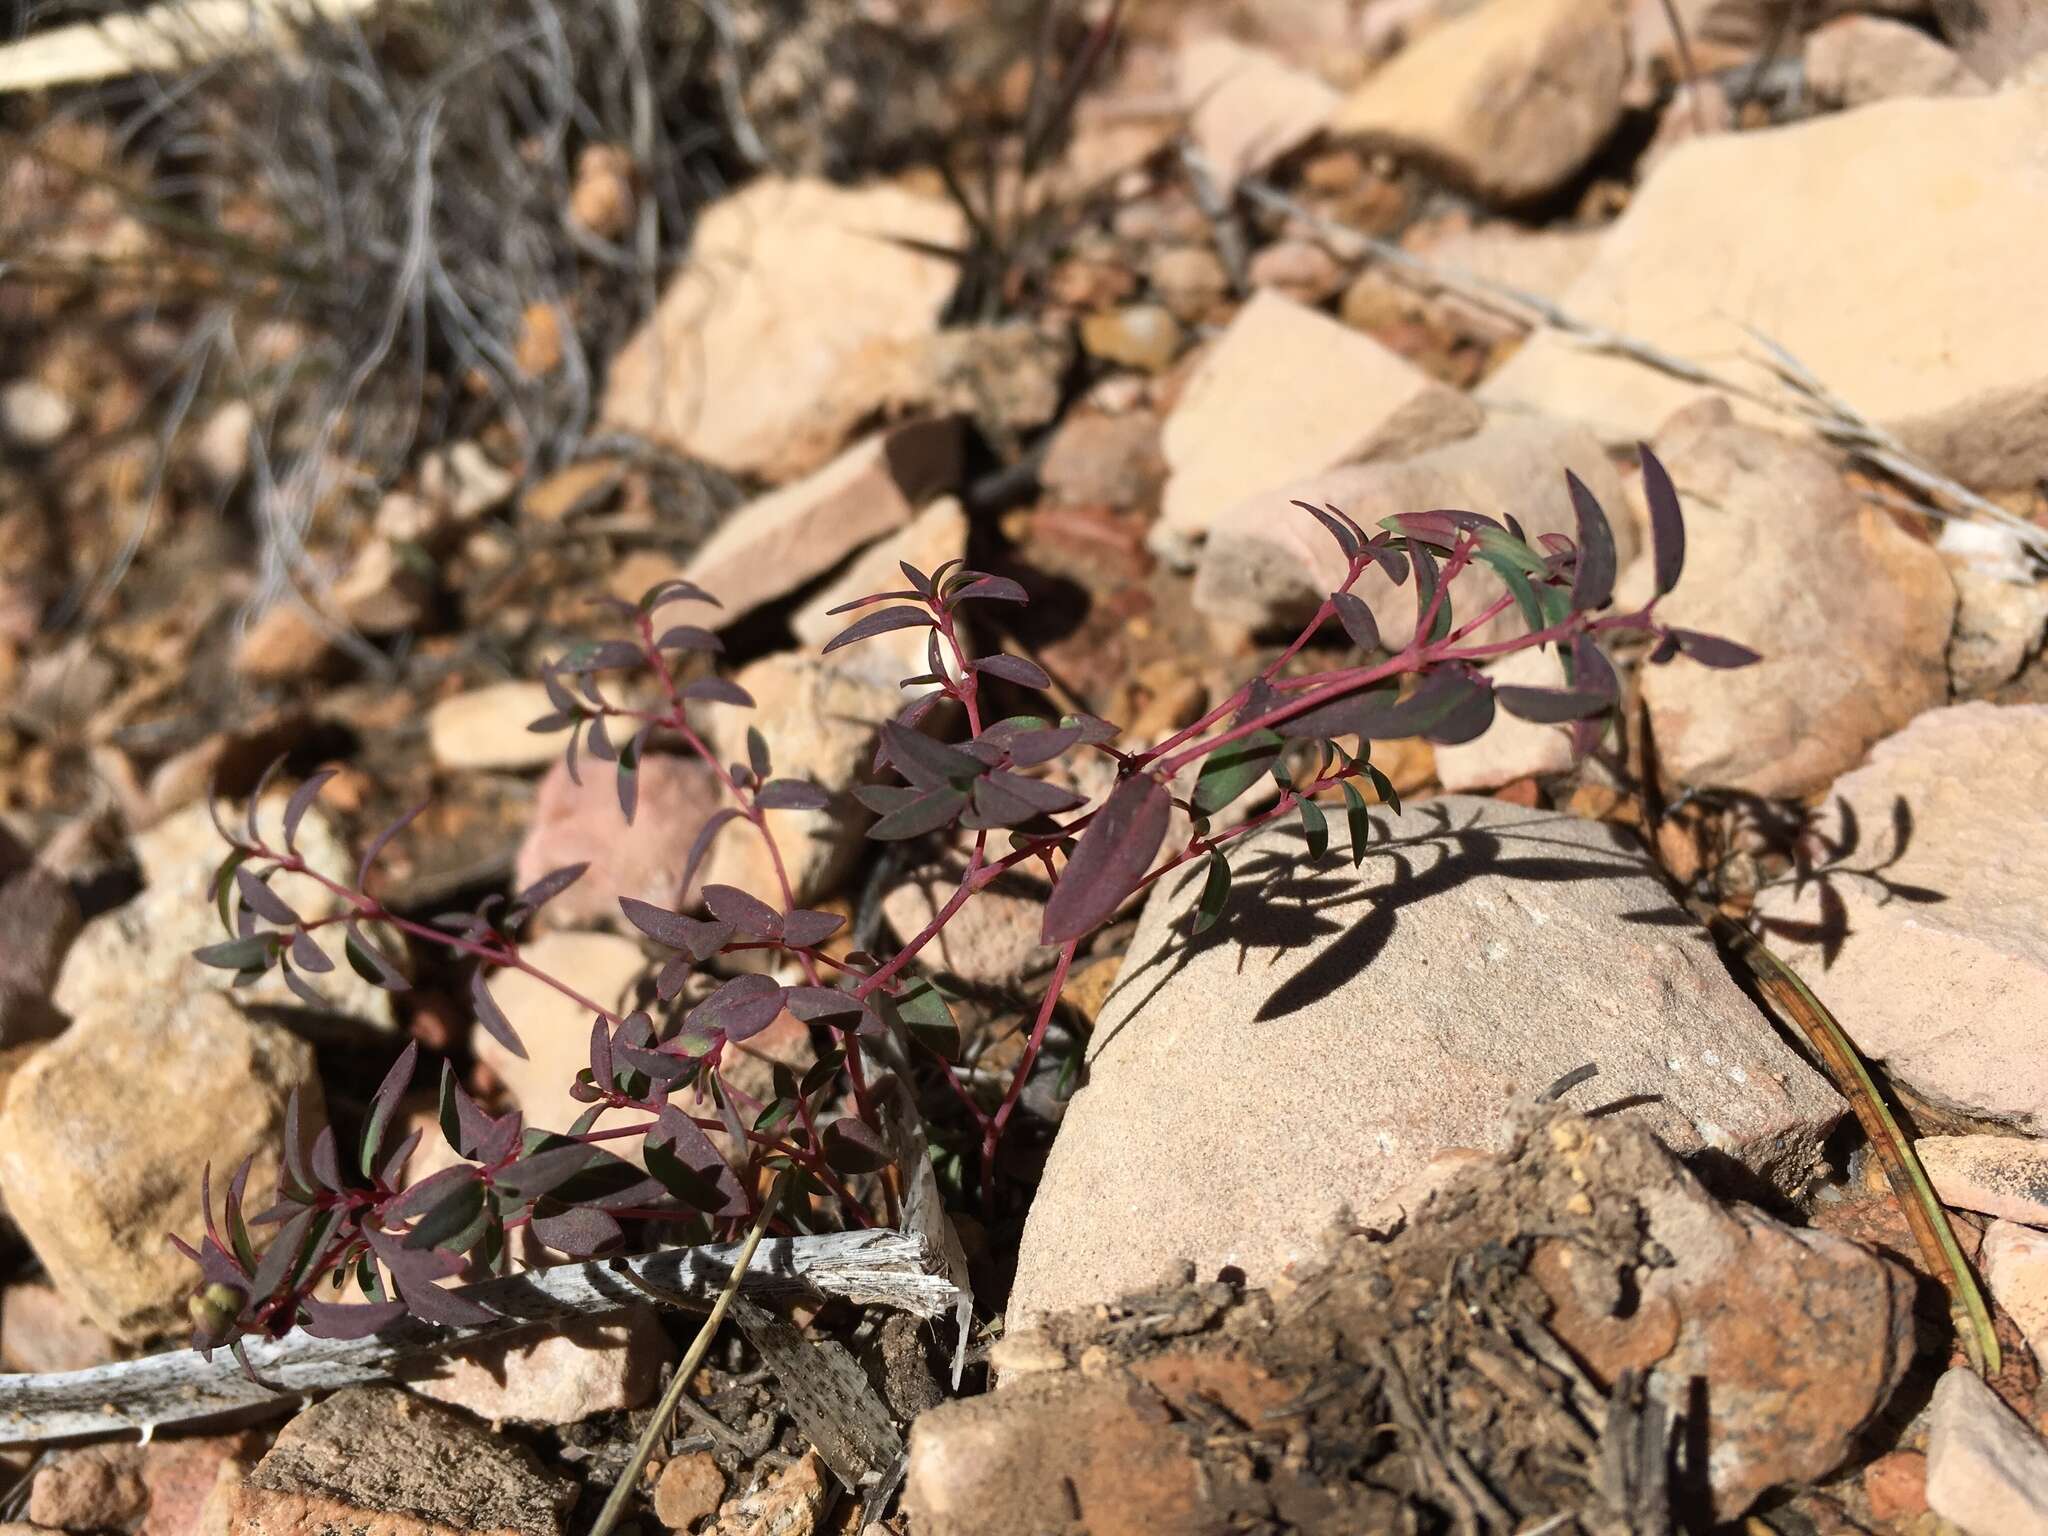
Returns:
<point x="1916" y="1196"/>
<point x="665" y="1410"/>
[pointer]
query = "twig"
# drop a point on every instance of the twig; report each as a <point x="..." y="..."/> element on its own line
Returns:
<point x="657" y="1427"/>
<point x="876" y="1266"/>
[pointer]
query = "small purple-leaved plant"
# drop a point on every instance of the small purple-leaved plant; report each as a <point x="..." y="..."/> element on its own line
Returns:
<point x="577" y="1197"/>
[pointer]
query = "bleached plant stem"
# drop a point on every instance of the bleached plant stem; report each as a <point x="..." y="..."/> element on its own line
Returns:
<point x="877" y="1266"/>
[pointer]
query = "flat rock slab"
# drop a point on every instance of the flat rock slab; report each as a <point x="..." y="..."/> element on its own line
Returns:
<point x="1336" y="1029"/>
<point x="1287" y="391"/>
<point x="1928" y="938"/>
<point x="377" y="1459"/>
<point x="1806" y="232"/>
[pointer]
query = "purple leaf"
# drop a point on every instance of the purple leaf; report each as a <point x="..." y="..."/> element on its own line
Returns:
<point x="873" y="597"/>
<point x="578" y="1232"/>
<point x="301" y="801"/>
<point x="1015" y="669"/>
<point x="926" y="763"/>
<point x="658" y="923"/>
<point x="1357" y="619"/>
<point x="923" y="812"/>
<point x="350" y="1320"/>
<point x="701" y="845"/>
<point x="303" y="990"/>
<point x="371" y="963"/>
<point x="1346" y="539"/>
<point x="740" y="1008"/>
<point x="492" y="1017"/>
<point x="802" y="928"/>
<point x="326" y="1160"/>
<point x="749" y="914"/>
<point x="792" y="795"/>
<point x="688" y="637"/>
<point x="717" y="690"/>
<point x="1667" y="523"/>
<point x="384" y="1104"/>
<point x="675" y="589"/>
<point x="1712" y="650"/>
<point x="382" y="840"/>
<point x="880" y="622"/>
<point x="1030" y="748"/>
<point x="263" y="901"/>
<point x="851" y="1146"/>
<point x="1110" y="860"/>
<point x="1593" y="580"/>
<point x="550" y="885"/>
<point x="814" y="1003"/>
<point x="991" y="588"/>
<point x="311" y="956"/>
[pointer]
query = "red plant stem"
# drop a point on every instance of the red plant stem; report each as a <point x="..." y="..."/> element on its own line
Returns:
<point x="992" y="1132"/>
<point x="370" y="910"/>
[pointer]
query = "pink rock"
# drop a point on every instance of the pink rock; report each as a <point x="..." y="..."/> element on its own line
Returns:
<point x="41" y="1331"/>
<point x="574" y="824"/>
<point x="591" y="1366"/>
<point x="2004" y="1176"/>
<point x="182" y="1475"/>
<point x="89" y="1488"/>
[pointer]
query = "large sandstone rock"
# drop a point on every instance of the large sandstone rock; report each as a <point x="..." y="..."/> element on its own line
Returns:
<point x="1287" y="392"/>
<point x="379" y="1460"/>
<point x="1337" y="1028"/>
<point x="141" y="953"/>
<point x="1268" y="562"/>
<point x="744" y="362"/>
<point x="1806" y="232"/>
<point x="1951" y="993"/>
<point x="1509" y="99"/>
<point x="777" y="542"/>
<point x="106" y="1131"/>
<point x="1783" y="557"/>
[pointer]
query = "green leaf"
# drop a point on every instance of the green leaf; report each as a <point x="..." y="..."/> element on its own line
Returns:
<point x="1425" y="591"/>
<point x="1359" y="822"/>
<point x="224" y="885"/>
<point x="251" y="954"/>
<point x="1231" y="770"/>
<point x="458" y="1214"/>
<point x="1383" y="787"/>
<point x="922" y="1011"/>
<point x="1215" y="892"/>
<point x="1518" y="585"/>
<point x="1316" y="826"/>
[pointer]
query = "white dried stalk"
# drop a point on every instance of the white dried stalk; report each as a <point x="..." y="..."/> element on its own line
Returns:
<point x="879" y="1267"/>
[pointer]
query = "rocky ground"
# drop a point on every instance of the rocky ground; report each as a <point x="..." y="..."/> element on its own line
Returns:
<point x="1283" y="1239"/>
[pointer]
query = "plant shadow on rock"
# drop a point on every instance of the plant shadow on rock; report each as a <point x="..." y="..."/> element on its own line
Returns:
<point x="1284" y="902"/>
